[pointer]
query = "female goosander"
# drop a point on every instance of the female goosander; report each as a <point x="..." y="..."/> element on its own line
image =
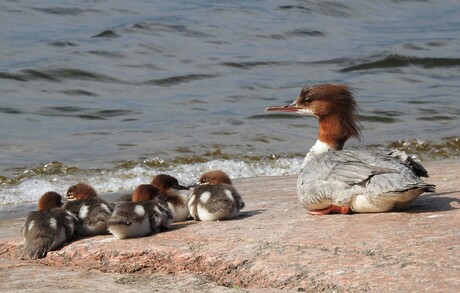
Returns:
<point x="92" y="211"/>
<point x="48" y="228"/>
<point x="142" y="216"/>
<point x="333" y="180"/>
<point x="214" y="198"/>
<point x="176" y="200"/>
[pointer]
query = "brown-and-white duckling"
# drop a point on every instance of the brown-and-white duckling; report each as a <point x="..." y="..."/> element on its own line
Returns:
<point x="92" y="211"/>
<point x="48" y="228"/>
<point x="176" y="199"/>
<point x="142" y="216"/>
<point x="214" y="198"/>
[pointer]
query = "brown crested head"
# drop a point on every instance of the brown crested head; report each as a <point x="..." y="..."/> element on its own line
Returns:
<point x="215" y="177"/>
<point x="145" y="192"/>
<point x="166" y="182"/>
<point x="336" y="110"/>
<point x="49" y="200"/>
<point x="80" y="191"/>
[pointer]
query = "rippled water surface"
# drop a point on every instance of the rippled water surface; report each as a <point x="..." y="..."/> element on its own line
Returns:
<point x="113" y="92"/>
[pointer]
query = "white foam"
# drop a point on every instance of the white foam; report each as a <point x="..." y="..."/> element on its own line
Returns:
<point x="30" y="189"/>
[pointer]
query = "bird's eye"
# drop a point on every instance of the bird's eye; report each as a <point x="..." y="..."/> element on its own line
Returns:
<point x="307" y="100"/>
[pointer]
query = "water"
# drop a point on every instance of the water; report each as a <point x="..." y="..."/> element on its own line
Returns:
<point x="113" y="92"/>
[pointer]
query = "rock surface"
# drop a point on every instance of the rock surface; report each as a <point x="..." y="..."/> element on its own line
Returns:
<point x="274" y="246"/>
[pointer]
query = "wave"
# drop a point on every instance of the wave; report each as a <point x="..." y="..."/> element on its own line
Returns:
<point x="295" y="33"/>
<point x="75" y="112"/>
<point x="448" y="147"/>
<point x="63" y="11"/>
<point x="252" y="64"/>
<point x="174" y="80"/>
<point x="106" y="34"/>
<point x="31" y="184"/>
<point x="56" y="75"/>
<point x="27" y="184"/>
<point x="396" y="60"/>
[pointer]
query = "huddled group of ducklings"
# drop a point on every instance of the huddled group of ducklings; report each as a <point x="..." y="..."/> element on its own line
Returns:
<point x="149" y="209"/>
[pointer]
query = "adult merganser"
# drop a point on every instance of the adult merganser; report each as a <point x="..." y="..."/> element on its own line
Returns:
<point x="48" y="228"/>
<point x="92" y="211"/>
<point x="176" y="200"/>
<point x="214" y="198"/>
<point x="333" y="180"/>
<point x="142" y="216"/>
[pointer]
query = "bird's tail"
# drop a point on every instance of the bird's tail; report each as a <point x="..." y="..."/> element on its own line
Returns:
<point x="38" y="247"/>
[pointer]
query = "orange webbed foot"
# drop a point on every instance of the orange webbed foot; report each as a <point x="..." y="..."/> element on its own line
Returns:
<point x="332" y="209"/>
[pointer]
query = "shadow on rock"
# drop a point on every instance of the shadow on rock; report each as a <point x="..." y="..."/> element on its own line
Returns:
<point x="247" y="214"/>
<point x="180" y="225"/>
<point x="435" y="202"/>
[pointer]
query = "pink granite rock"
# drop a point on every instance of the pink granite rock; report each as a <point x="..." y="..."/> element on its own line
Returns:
<point x="274" y="245"/>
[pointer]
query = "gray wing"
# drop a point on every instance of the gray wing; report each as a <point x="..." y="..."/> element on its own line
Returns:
<point x="336" y="176"/>
<point x="355" y="172"/>
<point x="378" y="171"/>
<point x="123" y="214"/>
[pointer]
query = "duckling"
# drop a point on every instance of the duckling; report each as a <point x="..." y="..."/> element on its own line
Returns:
<point x="214" y="198"/>
<point x="142" y="216"/>
<point x="48" y="228"/>
<point x="92" y="211"/>
<point x="176" y="200"/>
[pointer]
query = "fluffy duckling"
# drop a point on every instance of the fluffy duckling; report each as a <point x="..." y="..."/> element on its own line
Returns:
<point x="142" y="216"/>
<point x="176" y="200"/>
<point x="48" y="228"/>
<point x="92" y="211"/>
<point x="214" y="198"/>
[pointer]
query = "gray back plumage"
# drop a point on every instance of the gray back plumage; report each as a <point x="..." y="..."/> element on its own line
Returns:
<point x="159" y="216"/>
<point x="40" y="236"/>
<point x="374" y="173"/>
<point x="96" y="209"/>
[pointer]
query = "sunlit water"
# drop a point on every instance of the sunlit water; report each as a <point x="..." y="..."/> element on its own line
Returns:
<point x="113" y="92"/>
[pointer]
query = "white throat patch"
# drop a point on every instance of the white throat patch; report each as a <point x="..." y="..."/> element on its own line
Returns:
<point x="319" y="147"/>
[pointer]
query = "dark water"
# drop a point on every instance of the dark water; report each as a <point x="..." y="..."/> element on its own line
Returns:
<point x="113" y="92"/>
